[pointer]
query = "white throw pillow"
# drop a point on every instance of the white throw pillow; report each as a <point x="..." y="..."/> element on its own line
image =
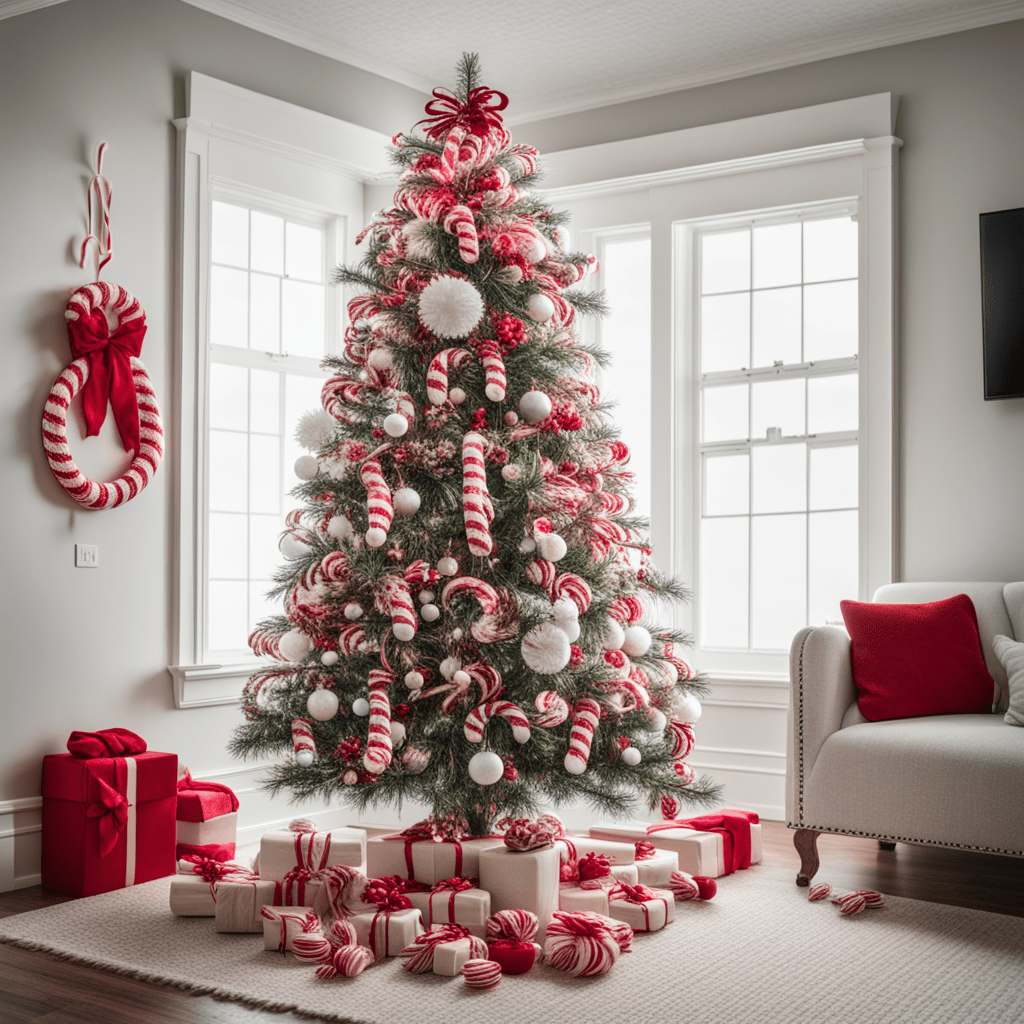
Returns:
<point x="1011" y="654"/>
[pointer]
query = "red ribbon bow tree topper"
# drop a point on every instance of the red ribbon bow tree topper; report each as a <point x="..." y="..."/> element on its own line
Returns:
<point x="477" y="116"/>
<point x="110" y="371"/>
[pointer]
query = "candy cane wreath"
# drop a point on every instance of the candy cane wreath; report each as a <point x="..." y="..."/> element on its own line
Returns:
<point x="102" y="298"/>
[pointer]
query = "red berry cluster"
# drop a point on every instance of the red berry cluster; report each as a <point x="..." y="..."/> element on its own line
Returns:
<point x="347" y="750"/>
<point x="479" y="421"/>
<point x="509" y="331"/>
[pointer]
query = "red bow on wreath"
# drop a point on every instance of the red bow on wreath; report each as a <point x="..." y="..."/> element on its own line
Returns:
<point x="110" y="372"/>
<point x="478" y="115"/>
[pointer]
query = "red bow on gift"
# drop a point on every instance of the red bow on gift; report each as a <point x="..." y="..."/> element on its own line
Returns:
<point x="112" y="810"/>
<point x="186" y="782"/>
<point x="386" y="895"/>
<point x="110" y="372"/>
<point x="732" y="826"/>
<point x="478" y="115"/>
<point x="106" y="743"/>
<point x="633" y="893"/>
<point x="458" y="884"/>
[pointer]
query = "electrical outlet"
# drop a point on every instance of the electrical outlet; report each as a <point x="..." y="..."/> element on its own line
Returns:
<point x="87" y="556"/>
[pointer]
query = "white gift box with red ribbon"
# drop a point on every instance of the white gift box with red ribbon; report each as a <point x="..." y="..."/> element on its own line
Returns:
<point x="657" y="869"/>
<point x="282" y="924"/>
<point x="192" y="895"/>
<point x="387" y="932"/>
<point x="643" y="915"/>
<point x="426" y="860"/>
<point x="522" y="880"/>
<point x="283" y="851"/>
<point x="468" y="907"/>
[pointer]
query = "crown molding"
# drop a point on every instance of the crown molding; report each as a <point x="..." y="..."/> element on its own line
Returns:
<point x="12" y="8"/>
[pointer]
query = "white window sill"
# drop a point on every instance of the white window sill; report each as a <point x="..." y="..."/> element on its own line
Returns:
<point x="202" y="686"/>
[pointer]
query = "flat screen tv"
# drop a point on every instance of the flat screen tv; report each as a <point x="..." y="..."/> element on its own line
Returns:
<point x="1002" y="302"/>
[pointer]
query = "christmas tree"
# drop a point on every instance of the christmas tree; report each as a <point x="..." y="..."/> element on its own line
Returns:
<point x="468" y="600"/>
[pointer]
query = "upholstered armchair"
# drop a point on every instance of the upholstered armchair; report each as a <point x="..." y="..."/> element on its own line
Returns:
<point x="942" y="780"/>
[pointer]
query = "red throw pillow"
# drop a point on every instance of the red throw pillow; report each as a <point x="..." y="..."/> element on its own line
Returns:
<point x="917" y="659"/>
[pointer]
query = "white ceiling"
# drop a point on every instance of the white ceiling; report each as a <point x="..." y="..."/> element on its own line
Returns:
<point x="553" y="60"/>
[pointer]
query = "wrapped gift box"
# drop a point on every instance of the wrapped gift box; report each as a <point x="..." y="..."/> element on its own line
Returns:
<point x="575" y="899"/>
<point x="470" y="908"/>
<point x="207" y="814"/>
<point x="387" y="932"/>
<point x="617" y="851"/>
<point x="239" y="905"/>
<point x="424" y="860"/>
<point x="108" y="822"/>
<point x="657" y="870"/>
<point x="192" y="895"/>
<point x="282" y="924"/>
<point x="645" y="916"/>
<point x="519" y="880"/>
<point x="700" y="852"/>
<point x="628" y="873"/>
<point x="282" y="850"/>
<point x="450" y="956"/>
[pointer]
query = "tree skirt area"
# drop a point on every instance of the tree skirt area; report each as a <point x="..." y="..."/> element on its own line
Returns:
<point x="759" y="952"/>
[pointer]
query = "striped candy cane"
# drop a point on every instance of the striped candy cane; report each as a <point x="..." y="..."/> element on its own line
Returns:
<point x="487" y="678"/>
<point x="477" y="510"/>
<point x="682" y="737"/>
<point x="614" y="504"/>
<point x="450" y="154"/>
<point x="573" y="587"/>
<point x="553" y="709"/>
<point x="397" y="602"/>
<point x="541" y="572"/>
<point x="302" y="736"/>
<point x="478" y="718"/>
<point x="482" y="591"/>
<point x="350" y="638"/>
<point x="585" y="715"/>
<point x="437" y="373"/>
<point x="494" y="371"/>
<point x="99" y="219"/>
<point x="459" y="222"/>
<point x="263" y="643"/>
<point x="378" y="743"/>
<point x="378" y="499"/>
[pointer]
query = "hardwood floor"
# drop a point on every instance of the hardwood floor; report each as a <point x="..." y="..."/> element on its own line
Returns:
<point x="37" y="988"/>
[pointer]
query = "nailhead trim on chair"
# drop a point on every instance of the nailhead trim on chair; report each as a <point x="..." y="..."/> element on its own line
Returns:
<point x="846" y="832"/>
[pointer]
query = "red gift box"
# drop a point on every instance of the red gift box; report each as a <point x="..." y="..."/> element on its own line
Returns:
<point x="108" y="822"/>
<point x="207" y="819"/>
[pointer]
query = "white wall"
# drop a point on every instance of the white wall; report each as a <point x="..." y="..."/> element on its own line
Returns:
<point x="84" y="648"/>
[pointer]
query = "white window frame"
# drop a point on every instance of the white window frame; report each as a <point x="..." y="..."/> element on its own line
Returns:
<point x="835" y="152"/>
<point x="279" y="157"/>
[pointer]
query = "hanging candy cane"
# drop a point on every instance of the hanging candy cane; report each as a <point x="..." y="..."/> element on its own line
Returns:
<point x="487" y="678"/>
<point x="378" y="498"/>
<point x="554" y="710"/>
<point x="378" y="743"/>
<point x="397" y="602"/>
<point x="524" y="159"/>
<point x="541" y="572"/>
<point x="585" y="715"/>
<point x="482" y="591"/>
<point x="573" y="587"/>
<point x="302" y="737"/>
<point x="478" y="718"/>
<point x="437" y="373"/>
<point x="459" y="222"/>
<point x="99" y="219"/>
<point x="477" y="510"/>
<point x="450" y="154"/>
<point x="351" y="638"/>
<point x="494" y="371"/>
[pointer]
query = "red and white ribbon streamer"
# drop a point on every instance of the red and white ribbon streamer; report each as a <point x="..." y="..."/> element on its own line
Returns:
<point x="99" y="216"/>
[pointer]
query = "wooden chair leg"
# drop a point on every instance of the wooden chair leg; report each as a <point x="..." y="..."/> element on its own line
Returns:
<point x="806" y="842"/>
<point x="883" y="845"/>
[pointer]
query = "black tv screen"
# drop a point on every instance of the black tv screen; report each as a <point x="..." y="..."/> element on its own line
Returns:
<point x="1002" y="302"/>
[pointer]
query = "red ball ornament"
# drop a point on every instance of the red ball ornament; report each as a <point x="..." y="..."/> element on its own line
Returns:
<point x="706" y="887"/>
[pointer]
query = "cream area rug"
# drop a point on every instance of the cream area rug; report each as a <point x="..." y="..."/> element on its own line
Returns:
<point x="759" y="953"/>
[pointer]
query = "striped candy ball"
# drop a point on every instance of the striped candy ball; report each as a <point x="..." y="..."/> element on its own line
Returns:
<point x="851" y="903"/>
<point x="554" y="709"/>
<point x="821" y="891"/>
<point x="312" y="947"/>
<point x="481" y="973"/>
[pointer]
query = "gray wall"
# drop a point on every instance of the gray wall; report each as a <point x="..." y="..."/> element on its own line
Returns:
<point x="83" y="648"/>
<point x="962" y="119"/>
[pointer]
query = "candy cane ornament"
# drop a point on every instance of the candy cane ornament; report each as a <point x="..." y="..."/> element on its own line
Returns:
<point x="378" y="744"/>
<point x="573" y="587"/>
<point x="478" y="718"/>
<point x="585" y="715"/>
<point x="477" y="509"/>
<point x="396" y="601"/>
<point x="378" y="499"/>
<point x="437" y="373"/>
<point x="302" y="741"/>
<point x="553" y="709"/>
<point x="494" y="371"/>
<point x="459" y="222"/>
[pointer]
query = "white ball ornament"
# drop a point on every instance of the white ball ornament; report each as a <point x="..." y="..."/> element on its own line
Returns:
<point x="380" y="359"/>
<point x="612" y="635"/>
<point x="552" y="547"/>
<point x="322" y="705"/>
<point x="429" y="613"/>
<point x="457" y="633"/>
<point x="540" y="308"/>
<point x="414" y="680"/>
<point x="447" y="566"/>
<point x="687" y="709"/>
<point x="456" y="396"/>
<point x="397" y="734"/>
<point x="304" y="758"/>
<point x="396" y="425"/>
<point x="426" y="597"/>
<point x="486" y="768"/>
<point x="536" y="251"/>
<point x="462" y="678"/>
<point x="535" y="406"/>
<point x="339" y="527"/>
<point x="406" y="500"/>
<point x="306" y="467"/>
<point x="636" y="642"/>
<point x="361" y="707"/>
<point x="415" y="760"/>
<point x="329" y="659"/>
<point x="449" y="667"/>
<point x="545" y="649"/>
<point x="291" y="547"/>
<point x="376" y="537"/>
<point x="571" y="629"/>
<point x="451" y="307"/>
<point x="353" y="611"/>
<point x="294" y="645"/>
<point x="656" y="721"/>
<point x="631" y="756"/>
<point x="526" y="545"/>
<point x="350" y="778"/>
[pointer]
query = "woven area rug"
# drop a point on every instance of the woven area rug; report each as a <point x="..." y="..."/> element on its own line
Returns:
<point x="759" y="952"/>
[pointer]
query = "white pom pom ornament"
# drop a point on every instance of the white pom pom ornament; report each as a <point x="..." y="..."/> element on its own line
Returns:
<point x="456" y="396"/>
<point x="612" y="635"/>
<point x="631" y="756"/>
<point x="322" y="705"/>
<point x="551" y="546"/>
<point x="329" y="659"/>
<point x="397" y="734"/>
<point x="417" y="245"/>
<point x="306" y="467"/>
<point x="339" y="527"/>
<point x="535" y="406"/>
<point x="353" y="611"/>
<point x="314" y="429"/>
<point x="361" y="707"/>
<point x="395" y="425"/>
<point x="451" y="307"/>
<point x="687" y="709"/>
<point x="545" y="649"/>
<point x="291" y="547"/>
<point x="486" y="768"/>
<point x="414" y="680"/>
<point x="406" y="501"/>
<point x="380" y="359"/>
<point x="294" y="645"/>
<point x="636" y="642"/>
